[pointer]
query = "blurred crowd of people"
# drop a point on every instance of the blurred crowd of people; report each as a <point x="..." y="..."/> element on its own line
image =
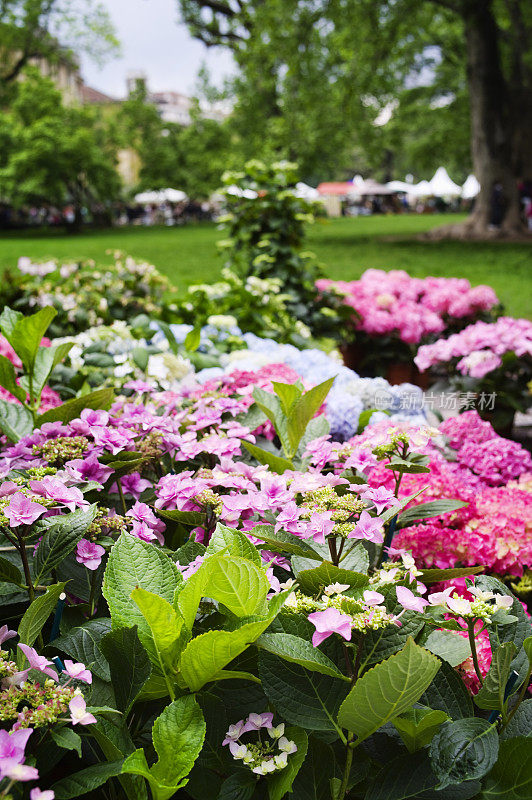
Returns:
<point x="104" y="215"/>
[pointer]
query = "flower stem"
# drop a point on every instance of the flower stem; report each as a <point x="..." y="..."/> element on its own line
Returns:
<point x="92" y="595"/>
<point x="472" y="642"/>
<point x="121" y="494"/>
<point x="26" y="567"/>
<point x="347" y="771"/>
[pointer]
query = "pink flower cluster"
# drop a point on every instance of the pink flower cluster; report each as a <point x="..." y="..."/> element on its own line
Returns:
<point x="479" y="347"/>
<point x="488" y="473"/>
<point x="494" y="459"/>
<point x="393" y="303"/>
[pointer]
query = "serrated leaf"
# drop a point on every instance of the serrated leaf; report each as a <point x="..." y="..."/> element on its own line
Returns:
<point x="448" y="693"/>
<point x="178" y="734"/>
<point x="166" y="626"/>
<point x="418" y="726"/>
<point x="465" y="749"/>
<point x="387" y="690"/>
<point x="434" y="508"/>
<point x="299" y="651"/>
<point x="234" y="542"/>
<point x="411" y="776"/>
<point x="277" y="464"/>
<point x="492" y="692"/>
<point x="193" y="518"/>
<point x="8" y="379"/>
<point x="304" y="698"/>
<point x="100" y="399"/>
<point x="87" y="780"/>
<point x="440" y="575"/>
<point x="449" y="646"/>
<point x="9" y="573"/>
<point x="60" y="538"/>
<point x="236" y="582"/>
<point x="521" y="722"/>
<point x="282" y="541"/>
<point x="16" y="421"/>
<point x="129" y="665"/>
<point x="38" y="612"/>
<point x="67" y="739"/>
<point x="83" y="644"/>
<point x="133" y="563"/>
<point x="312" y="581"/>
<point x="46" y="359"/>
<point x="511" y="777"/>
<point x="26" y="333"/>
<point x="207" y="654"/>
<point x="303" y="410"/>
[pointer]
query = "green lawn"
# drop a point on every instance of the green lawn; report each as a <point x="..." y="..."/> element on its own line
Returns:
<point x="346" y="247"/>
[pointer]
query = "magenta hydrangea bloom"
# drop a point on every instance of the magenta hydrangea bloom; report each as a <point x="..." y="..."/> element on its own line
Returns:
<point x="409" y="600"/>
<point x="369" y="528"/>
<point x="22" y="511"/>
<point x="78" y="711"/>
<point x="77" y="671"/>
<point x="328" y="622"/>
<point x="38" y="662"/>
<point x="89" y="554"/>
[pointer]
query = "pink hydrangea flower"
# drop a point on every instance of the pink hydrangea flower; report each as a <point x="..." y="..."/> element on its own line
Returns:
<point x="38" y="662"/>
<point x="89" y="554"/>
<point x="78" y="711"/>
<point x="78" y="671"/>
<point x="369" y="528"/>
<point x="409" y="600"/>
<point x="22" y="511"/>
<point x="42" y="794"/>
<point x="328" y="622"/>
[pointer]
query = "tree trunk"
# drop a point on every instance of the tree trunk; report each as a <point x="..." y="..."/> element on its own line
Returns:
<point x="497" y="209"/>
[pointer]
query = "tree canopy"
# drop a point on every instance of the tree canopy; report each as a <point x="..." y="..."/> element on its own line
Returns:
<point x="52" y="29"/>
<point x="52" y="153"/>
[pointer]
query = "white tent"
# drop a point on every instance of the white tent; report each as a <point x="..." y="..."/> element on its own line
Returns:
<point x="306" y="192"/>
<point x="173" y="195"/>
<point x="471" y="188"/>
<point x="421" y="189"/>
<point x="160" y="196"/>
<point x="399" y="186"/>
<point x="442" y="186"/>
<point x="149" y="197"/>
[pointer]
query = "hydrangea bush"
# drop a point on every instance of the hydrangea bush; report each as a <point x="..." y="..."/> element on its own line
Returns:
<point x="488" y="358"/>
<point x="394" y="313"/>
<point x="204" y="595"/>
<point x="84" y="294"/>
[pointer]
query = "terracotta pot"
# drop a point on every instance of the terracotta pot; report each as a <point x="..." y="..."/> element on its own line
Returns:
<point x="400" y="372"/>
<point x="421" y="379"/>
<point x="351" y="355"/>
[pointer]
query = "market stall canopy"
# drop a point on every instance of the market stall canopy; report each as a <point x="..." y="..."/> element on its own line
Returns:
<point x="421" y="189"/>
<point x="338" y="188"/>
<point x="470" y="188"/>
<point x="149" y="197"/>
<point x="399" y="186"/>
<point x="173" y="195"/>
<point x="441" y="185"/>
<point x="370" y="187"/>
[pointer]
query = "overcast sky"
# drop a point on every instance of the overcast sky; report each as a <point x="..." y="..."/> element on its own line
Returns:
<point x="155" y="43"/>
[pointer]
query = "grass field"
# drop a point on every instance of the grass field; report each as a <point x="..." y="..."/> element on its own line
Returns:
<point x="345" y="246"/>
